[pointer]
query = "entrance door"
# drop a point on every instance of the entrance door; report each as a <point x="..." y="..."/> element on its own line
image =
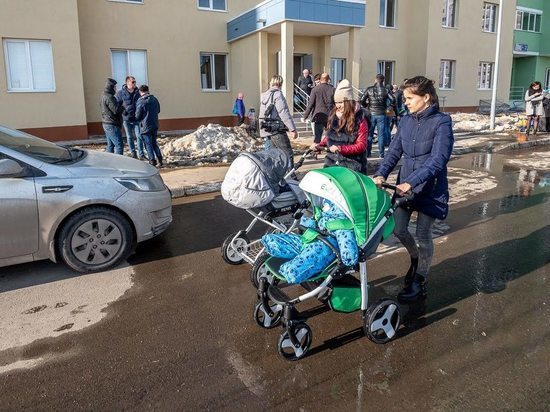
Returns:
<point x="301" y="62"/>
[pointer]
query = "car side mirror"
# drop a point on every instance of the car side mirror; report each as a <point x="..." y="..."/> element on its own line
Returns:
<point x="10" y="168"/>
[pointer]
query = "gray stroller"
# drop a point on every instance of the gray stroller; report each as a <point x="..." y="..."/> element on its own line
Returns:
<point x="262" y="184"/>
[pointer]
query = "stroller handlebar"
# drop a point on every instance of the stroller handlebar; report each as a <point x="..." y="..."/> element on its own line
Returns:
<point x="300" y="162"/>
<point x="396" y="199"/>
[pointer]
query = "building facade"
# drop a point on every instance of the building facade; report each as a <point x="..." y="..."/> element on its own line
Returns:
<point x="531" y="46"/>
<point x="196" y="55"/>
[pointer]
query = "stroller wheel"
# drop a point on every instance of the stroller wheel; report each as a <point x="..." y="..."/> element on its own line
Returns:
<point x="232" y="252"/>
<point x="382" y="321"/>
<point x="290" y="352"/>
<point x="258" y="270"/>
<point x="265" y="319"/>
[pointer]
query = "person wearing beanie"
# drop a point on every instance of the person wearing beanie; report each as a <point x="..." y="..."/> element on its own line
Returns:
<point x="345" y="138"/>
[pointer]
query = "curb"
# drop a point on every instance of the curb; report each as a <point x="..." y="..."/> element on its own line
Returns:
<point x="522" y="145"/>
<point x="211" y="187"/>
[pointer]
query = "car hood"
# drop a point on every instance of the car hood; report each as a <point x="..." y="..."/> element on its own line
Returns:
<point x="106" y="164"/>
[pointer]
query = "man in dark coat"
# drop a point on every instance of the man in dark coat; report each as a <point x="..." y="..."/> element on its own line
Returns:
<point x="147" y="113"/>
<point x="305" y="84"/>
<point x="321" y="102"/>
<point x="111" y="118"/>
<point x="128" y="96"/>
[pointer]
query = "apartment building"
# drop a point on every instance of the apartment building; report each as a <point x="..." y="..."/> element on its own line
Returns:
<point x="531" y="46"/>
<point x="196" y="55"/>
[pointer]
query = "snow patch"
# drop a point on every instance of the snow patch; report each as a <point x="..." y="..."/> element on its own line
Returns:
<point x="209" y="144"/>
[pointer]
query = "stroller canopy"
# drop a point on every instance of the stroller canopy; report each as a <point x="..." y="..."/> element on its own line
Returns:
<point x="253" y="179"/>
<point x="356" y="194"/>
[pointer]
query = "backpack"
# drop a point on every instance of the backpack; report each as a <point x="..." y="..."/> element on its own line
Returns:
<point x="235" y="108"/>
<point x="271" y="122"/>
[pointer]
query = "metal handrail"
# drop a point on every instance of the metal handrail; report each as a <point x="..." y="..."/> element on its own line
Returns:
<point x="301" y="100"/>
<point x="517" y="93"/>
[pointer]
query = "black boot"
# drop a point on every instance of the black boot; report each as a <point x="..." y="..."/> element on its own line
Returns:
<point x="416" y="290"/>
<point x="410" y="273"/>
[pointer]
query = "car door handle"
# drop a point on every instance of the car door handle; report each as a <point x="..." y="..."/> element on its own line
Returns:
<point x="55" y="189"/>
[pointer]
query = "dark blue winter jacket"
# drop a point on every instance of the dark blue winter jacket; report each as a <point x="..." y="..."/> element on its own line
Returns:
<point x="128" y="101"/>
<point x="425" y="141"/>
<point x="147" y="114"/>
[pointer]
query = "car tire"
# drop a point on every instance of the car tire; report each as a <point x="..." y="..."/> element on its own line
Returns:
<point x="95" y="239"/>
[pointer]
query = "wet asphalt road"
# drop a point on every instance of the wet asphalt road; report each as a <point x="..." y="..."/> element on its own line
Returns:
<point x="183" y="336"/>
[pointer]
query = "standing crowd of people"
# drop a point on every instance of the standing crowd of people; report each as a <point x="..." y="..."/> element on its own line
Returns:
<point x="135" y="109"/>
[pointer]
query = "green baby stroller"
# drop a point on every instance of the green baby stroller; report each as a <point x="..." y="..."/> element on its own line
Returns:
<point x="370" y="214"/>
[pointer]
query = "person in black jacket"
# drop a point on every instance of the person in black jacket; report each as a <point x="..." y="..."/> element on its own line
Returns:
<point x="111" y="117"/>
<point x="377" y="99"/>
<point x="424" y="140"/>
<point x="147" y="113"/>
<point x="128" y="96"/>
<point x="321" y="102"/>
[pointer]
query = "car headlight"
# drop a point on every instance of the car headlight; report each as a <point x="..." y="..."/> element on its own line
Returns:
<point x="142" y="184"/>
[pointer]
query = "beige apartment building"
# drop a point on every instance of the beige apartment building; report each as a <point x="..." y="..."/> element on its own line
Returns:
<point x="196" y="55"/>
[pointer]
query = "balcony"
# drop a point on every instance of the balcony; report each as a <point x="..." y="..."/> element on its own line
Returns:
<point x="313" y="17"/>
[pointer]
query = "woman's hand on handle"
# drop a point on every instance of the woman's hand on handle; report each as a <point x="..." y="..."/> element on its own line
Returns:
<point x="378" y="181"/>
<point x="403" y="189"/>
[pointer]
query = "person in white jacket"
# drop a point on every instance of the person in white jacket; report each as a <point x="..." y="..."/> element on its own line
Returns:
<point x="533" y="106"/>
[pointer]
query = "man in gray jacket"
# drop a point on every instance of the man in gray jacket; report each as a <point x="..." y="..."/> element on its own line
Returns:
<point x="111" y="118"/>
<point x="276" y="123"/>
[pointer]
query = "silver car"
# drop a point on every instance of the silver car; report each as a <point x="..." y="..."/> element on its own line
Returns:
<point x="86" y="208"/>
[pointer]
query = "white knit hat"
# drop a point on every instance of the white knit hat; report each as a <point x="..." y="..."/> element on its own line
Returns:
<point x="343" y="91"/>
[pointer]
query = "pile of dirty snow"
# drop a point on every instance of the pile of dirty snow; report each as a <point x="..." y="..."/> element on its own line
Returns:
<point x="208" y="144"/>
<point x="473" y="122"/>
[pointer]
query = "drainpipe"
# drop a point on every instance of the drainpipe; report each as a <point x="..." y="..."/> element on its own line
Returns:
<point x="495" y="77"/>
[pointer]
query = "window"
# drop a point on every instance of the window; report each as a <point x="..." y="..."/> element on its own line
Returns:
<point x="547" y="78"/>
<point x="449" y="13"/>
<point x="485" y="76"/>
<point x="446" y="74"/>
<point x="337" y="70"/>
<point x="213" y="71"/>
<point x="129" y="62"/>
<point x="528" y="21"/>
<point x="386" y="68"/>
<point x="29" y="65"/>
<point x="387" y="13"/>
<point x="212" y="5"/>
<point x="489" y="17"/>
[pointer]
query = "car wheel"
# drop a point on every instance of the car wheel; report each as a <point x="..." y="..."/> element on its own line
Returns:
<point x="95" y="239"/>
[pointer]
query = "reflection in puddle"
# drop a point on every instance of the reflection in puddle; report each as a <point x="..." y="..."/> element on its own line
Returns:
<point x="527" y="180"/>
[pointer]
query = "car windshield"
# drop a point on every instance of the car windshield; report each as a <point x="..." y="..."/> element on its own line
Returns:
<point x="33" y="146"/>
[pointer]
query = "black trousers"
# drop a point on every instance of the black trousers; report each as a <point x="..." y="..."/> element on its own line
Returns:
<point x="318" y="130"/>
<point x="281" y="141"/>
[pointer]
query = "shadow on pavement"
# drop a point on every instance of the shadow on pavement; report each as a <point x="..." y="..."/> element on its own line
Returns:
<point x="487" y="270"/>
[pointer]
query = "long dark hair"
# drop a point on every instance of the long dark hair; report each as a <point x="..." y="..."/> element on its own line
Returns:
<point x="347" y="120"/>
<point x="422" y="86"/>
<point x="533" y="91"/>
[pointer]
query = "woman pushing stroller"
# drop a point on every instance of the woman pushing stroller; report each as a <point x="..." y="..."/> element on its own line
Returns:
<point x="345" y="138"/>
<point x="425" y="141"/>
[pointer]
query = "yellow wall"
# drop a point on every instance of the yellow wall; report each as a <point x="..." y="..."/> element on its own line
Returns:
<point x="83" y="32"/>
<point x="54" y="20"/>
